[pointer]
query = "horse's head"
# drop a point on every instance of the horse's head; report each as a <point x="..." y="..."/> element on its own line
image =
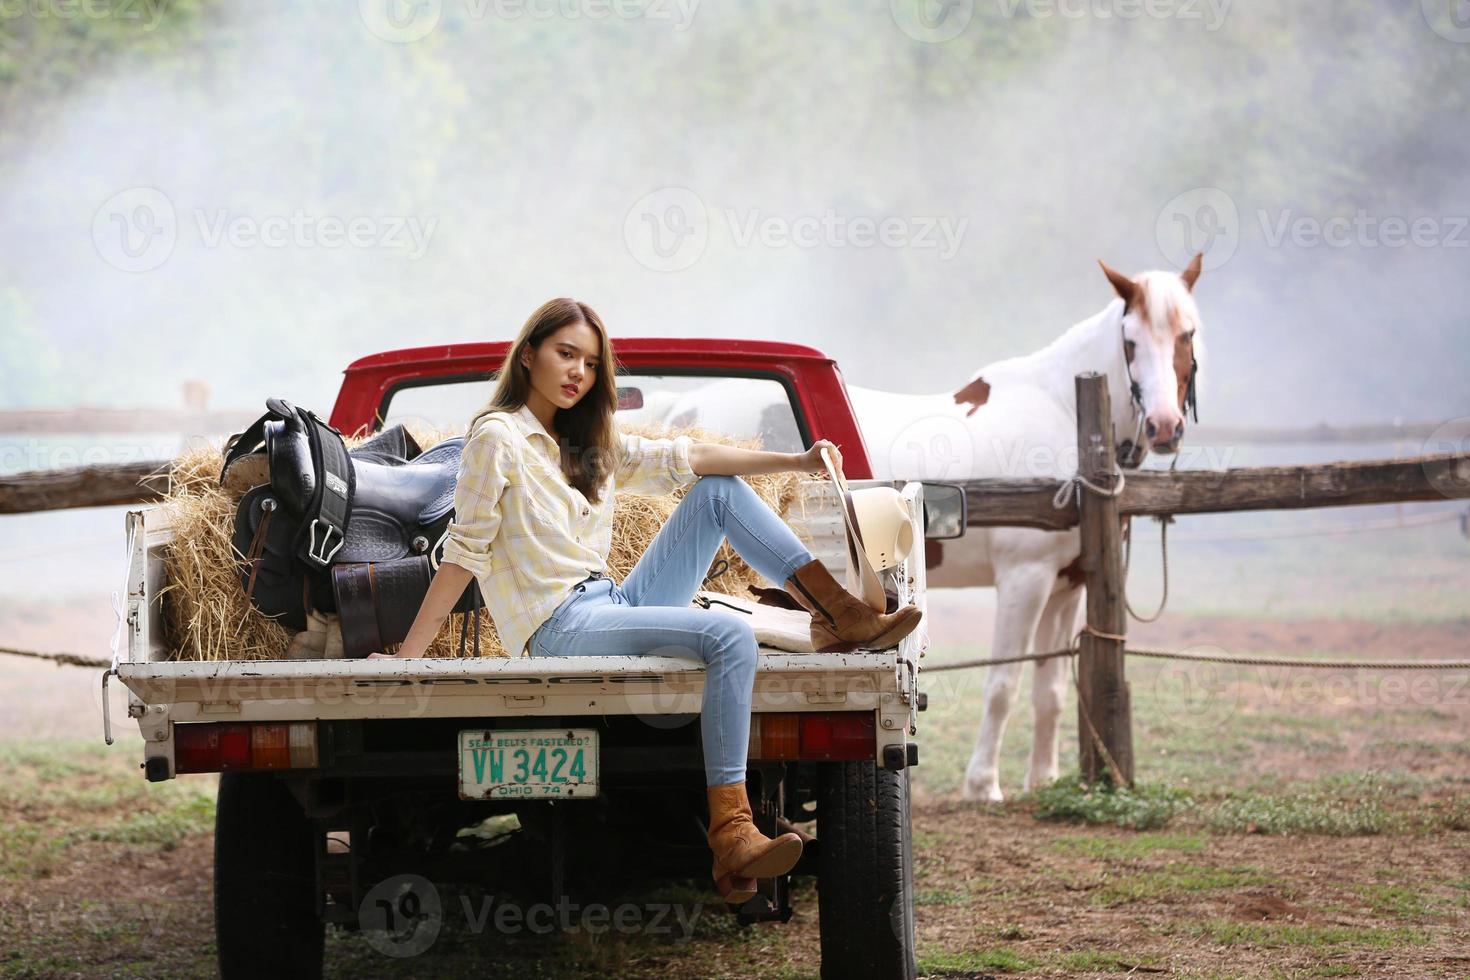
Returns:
<point x="1159" y="334"/>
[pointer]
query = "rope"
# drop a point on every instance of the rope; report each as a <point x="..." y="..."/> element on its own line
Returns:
<point x="1164" y="521"/>
<point x="1064" y="493"/>
<point x="1286" y="662"/>
<point x="61" y="659"/>
<point x="967" y="664"/>
<point x="1212" y="658"/>
<point x="1093" y="736"/>
<point x="119" y="605"/>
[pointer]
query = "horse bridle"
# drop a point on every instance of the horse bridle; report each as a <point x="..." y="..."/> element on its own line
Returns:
<point x="1129" y="454"/>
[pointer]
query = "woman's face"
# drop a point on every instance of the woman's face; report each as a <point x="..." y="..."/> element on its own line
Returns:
<point x="564" y="367"/>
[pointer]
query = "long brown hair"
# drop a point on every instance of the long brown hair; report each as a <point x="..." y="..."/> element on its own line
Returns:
<point x="586" y="429"/>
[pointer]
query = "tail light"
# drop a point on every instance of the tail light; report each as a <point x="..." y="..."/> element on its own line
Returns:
<point x="820" y="735"/>
<point x="217" y="747"/>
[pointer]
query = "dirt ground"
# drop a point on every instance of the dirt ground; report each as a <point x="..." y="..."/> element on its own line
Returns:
<point x="999" y="892"/>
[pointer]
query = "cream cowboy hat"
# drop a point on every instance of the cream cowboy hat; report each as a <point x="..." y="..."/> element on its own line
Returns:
<point x="880" y="534"/>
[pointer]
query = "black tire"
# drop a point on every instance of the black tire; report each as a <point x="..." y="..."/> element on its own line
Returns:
<point x="265" y="917"/>
<point x="865" y="873"/>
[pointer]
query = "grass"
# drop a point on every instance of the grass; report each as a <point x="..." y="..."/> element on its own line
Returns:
<point x="1283" y="935"/>
<point x="1127" y="848"/>
<point x="999" y="960"/>
<point x="1399" y="771"/>
<point x="1144" y="807"/>
<point x="59" y="795"/>
<point x="1096" y="961"/>
<point x="1309" y="813"/>
<point x="1342" y="805"/>
<point x="1395" y="901"/>
<point x="1174" y="880"/>
<point x="942" y="896"/>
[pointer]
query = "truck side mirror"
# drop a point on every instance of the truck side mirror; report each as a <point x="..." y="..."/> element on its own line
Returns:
<point x="944" y="511"/>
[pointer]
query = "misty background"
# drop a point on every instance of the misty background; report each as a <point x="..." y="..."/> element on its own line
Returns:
<point x="521" y="135"/>
<point x="178" y="180"/>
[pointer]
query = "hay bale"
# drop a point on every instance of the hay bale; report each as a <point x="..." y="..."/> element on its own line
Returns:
<point x="206" y="615"/>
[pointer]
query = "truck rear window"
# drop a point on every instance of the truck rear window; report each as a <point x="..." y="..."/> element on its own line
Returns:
<point x="742" y="408"/>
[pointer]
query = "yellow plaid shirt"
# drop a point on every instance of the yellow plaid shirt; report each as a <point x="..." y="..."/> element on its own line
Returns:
<point x="528" y="535"/>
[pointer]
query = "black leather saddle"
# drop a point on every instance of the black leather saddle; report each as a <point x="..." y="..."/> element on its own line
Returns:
<point x="311" y="510"/>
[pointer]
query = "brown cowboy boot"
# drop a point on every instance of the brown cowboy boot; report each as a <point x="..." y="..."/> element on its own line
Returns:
<point x="742" y="852"/>
<point x="840" y="620"/>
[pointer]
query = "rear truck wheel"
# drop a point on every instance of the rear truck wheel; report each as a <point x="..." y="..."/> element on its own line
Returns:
<point x="265" y="916"/>
<point x="865" y="872"/>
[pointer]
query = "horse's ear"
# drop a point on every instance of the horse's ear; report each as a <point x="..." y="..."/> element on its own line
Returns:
<point x="1191" y="274"/>
<point x="1127" y="288"/>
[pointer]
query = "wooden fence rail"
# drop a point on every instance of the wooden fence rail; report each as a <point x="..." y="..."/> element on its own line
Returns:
<point x="1029" y="503"/>
<point x="992" y="503"/>
<point x="100" y="485"/>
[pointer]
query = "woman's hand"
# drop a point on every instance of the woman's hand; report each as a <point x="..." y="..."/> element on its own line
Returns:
<point x="811" y="460"/>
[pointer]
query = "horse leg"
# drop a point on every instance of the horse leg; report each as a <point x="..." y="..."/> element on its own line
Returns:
<point x="1049" y="683"/>
<point x="1020" y="595"/>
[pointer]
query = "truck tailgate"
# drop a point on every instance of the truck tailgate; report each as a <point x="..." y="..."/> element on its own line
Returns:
<point x="267" y="690"/>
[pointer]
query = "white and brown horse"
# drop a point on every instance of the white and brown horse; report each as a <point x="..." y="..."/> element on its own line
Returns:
<point x="1018" y="418"/>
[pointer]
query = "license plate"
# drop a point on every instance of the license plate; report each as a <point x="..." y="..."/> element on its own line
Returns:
<point x="528" y="763"/>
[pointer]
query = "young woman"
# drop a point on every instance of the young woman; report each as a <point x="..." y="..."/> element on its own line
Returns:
<point x="533" y="525"/>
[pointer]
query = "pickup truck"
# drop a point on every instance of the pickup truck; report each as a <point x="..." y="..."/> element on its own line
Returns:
<point x="345" y="781"/>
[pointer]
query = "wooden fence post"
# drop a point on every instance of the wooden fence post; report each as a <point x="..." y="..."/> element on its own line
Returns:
<point x="1104" y="712"/>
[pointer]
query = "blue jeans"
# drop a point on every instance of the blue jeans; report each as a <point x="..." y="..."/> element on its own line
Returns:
<point x="650" y="611"/>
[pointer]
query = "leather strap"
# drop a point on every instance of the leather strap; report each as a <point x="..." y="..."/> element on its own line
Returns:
<point x="324" y="524"/>
<point x="257" y="551"/>
<point x="355" y="589"/>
